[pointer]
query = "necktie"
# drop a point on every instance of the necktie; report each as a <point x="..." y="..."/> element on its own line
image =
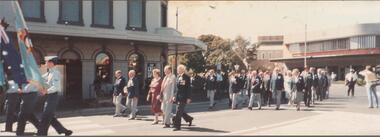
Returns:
<point x="164" y="83"/>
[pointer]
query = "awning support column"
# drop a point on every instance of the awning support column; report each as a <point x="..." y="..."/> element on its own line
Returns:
<point x="176" y="60"/>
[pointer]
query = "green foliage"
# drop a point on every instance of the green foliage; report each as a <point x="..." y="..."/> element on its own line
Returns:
<point x="219" y="51"/>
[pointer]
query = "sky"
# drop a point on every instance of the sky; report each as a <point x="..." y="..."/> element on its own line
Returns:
<point x="257" y="18"/>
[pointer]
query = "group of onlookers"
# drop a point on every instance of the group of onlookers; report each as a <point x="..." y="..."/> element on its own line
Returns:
<point x="371" y="81"/>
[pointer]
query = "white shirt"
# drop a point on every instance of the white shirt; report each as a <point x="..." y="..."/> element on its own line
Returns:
<point x="53" y="80"/>
<point x="351" y="75"/>
<point x="369" y="76"/>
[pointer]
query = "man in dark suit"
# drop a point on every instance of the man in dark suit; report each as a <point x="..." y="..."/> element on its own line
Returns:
<point x="182" y="97"/>
<point x="254" y="88"/>
<point x="211" y="86"/>
<point x="322" y="84"/>
<point x="308" y="77"/>
<point x="315" y="85"/>
<point x="132" y="91"/>
<point x="277" y="86"/>
<point x="118" y="93"/>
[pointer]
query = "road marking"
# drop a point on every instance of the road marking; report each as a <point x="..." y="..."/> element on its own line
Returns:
<point x="267" y="126"/>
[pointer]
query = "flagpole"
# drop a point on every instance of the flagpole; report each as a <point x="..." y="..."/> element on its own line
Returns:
<point x="17" y="9"/>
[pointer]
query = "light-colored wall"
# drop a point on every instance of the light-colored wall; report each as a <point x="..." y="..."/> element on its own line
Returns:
<point x="153" y="14"/>
<point x="87" y="49"/>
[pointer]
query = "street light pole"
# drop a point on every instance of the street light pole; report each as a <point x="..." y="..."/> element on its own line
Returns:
<point x="305" y="61"/>
<point x="305" y="48"/>
<point x="176" y="15"/>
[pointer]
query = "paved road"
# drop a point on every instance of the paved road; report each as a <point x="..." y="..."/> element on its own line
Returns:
<point x="339" y="115"/>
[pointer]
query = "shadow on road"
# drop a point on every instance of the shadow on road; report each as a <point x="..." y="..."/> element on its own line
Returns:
<point x="201" y="129"/>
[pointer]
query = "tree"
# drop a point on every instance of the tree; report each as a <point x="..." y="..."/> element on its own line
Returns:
<point x="220" y="51"/>
<point x="194" y="61"/>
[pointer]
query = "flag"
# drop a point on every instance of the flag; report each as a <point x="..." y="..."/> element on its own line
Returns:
<point x="13" y="63"/>
<point x="3" y="40"/>
<point x="31" y="69"/>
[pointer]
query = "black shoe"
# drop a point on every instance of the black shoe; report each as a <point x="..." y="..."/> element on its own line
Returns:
<point x="68" y="133"/>
<point x="209" y="108"/>
<point x="259" y="108"/>
<point x="137" y="112"/>
<point x="176" y="129"/>
<point x="191" y="122"/>
<point x="124" y="111"/>
<point x="250" y="108"/>
<point x="167" y="126"/>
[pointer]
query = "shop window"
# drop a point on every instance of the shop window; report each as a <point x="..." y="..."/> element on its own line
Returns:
<point x="103" y="67"/>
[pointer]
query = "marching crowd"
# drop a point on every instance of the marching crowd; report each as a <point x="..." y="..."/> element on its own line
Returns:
<point x="163" y="94"/>
<point x="245" y="89"/>
<point x="253" y="87"/>
<point x="266" y="88"/>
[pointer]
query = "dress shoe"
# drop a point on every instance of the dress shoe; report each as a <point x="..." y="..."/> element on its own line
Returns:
<point x="250" y="108"/>
<point x="68" y="133"/>
<point x="191" y="122"/>
<point x="176" y="129"/>
<point x="132" y="118"/>
<point x="259" y="108"/>
<point x="116" y="115"/>
<point x="155" y="123"/>
<point x="124" y="111"/>
<point x="167" y="126"/>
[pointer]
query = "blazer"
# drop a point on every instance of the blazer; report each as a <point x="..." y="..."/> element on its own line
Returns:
<point x="315" y="80"/>
<point x="322" y="82"/>
<point x="211" y="82"/>
<point x="298" y="84"/>
<point x="133" y="87"/>
<point x="277" y="83"/>
<point x="118" y="86"/>
<point x="235" y="85"/>
<point x="183" y="91"/>
<point x="308" y="81"/>
<point x="243" y="82"/>
<point x="255" y="85"/>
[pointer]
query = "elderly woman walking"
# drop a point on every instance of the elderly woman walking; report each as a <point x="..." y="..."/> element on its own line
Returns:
<point x="154" y="94"/>
<point x="297" y="87"/>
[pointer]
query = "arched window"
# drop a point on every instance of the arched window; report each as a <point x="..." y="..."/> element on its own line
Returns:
<point x="103" y="67"/>
<point x="136" y="62"/>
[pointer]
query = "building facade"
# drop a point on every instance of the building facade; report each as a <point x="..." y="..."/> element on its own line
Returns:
<point x="337" y="50"/>
<point x="269" y="47"/>
<point x="93" y="38"/>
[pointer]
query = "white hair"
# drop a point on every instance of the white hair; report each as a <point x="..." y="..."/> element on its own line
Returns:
<point x="132" y="71"/>
<point x="183" y="67"/>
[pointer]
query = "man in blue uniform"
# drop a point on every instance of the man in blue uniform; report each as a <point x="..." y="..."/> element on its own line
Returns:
<point x="53" y="79"/>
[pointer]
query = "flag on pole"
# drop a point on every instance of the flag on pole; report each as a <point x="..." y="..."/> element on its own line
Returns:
<point x="3" y="40"/>
<point x="31" y="69"/>
<point x="13" y="63"/>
